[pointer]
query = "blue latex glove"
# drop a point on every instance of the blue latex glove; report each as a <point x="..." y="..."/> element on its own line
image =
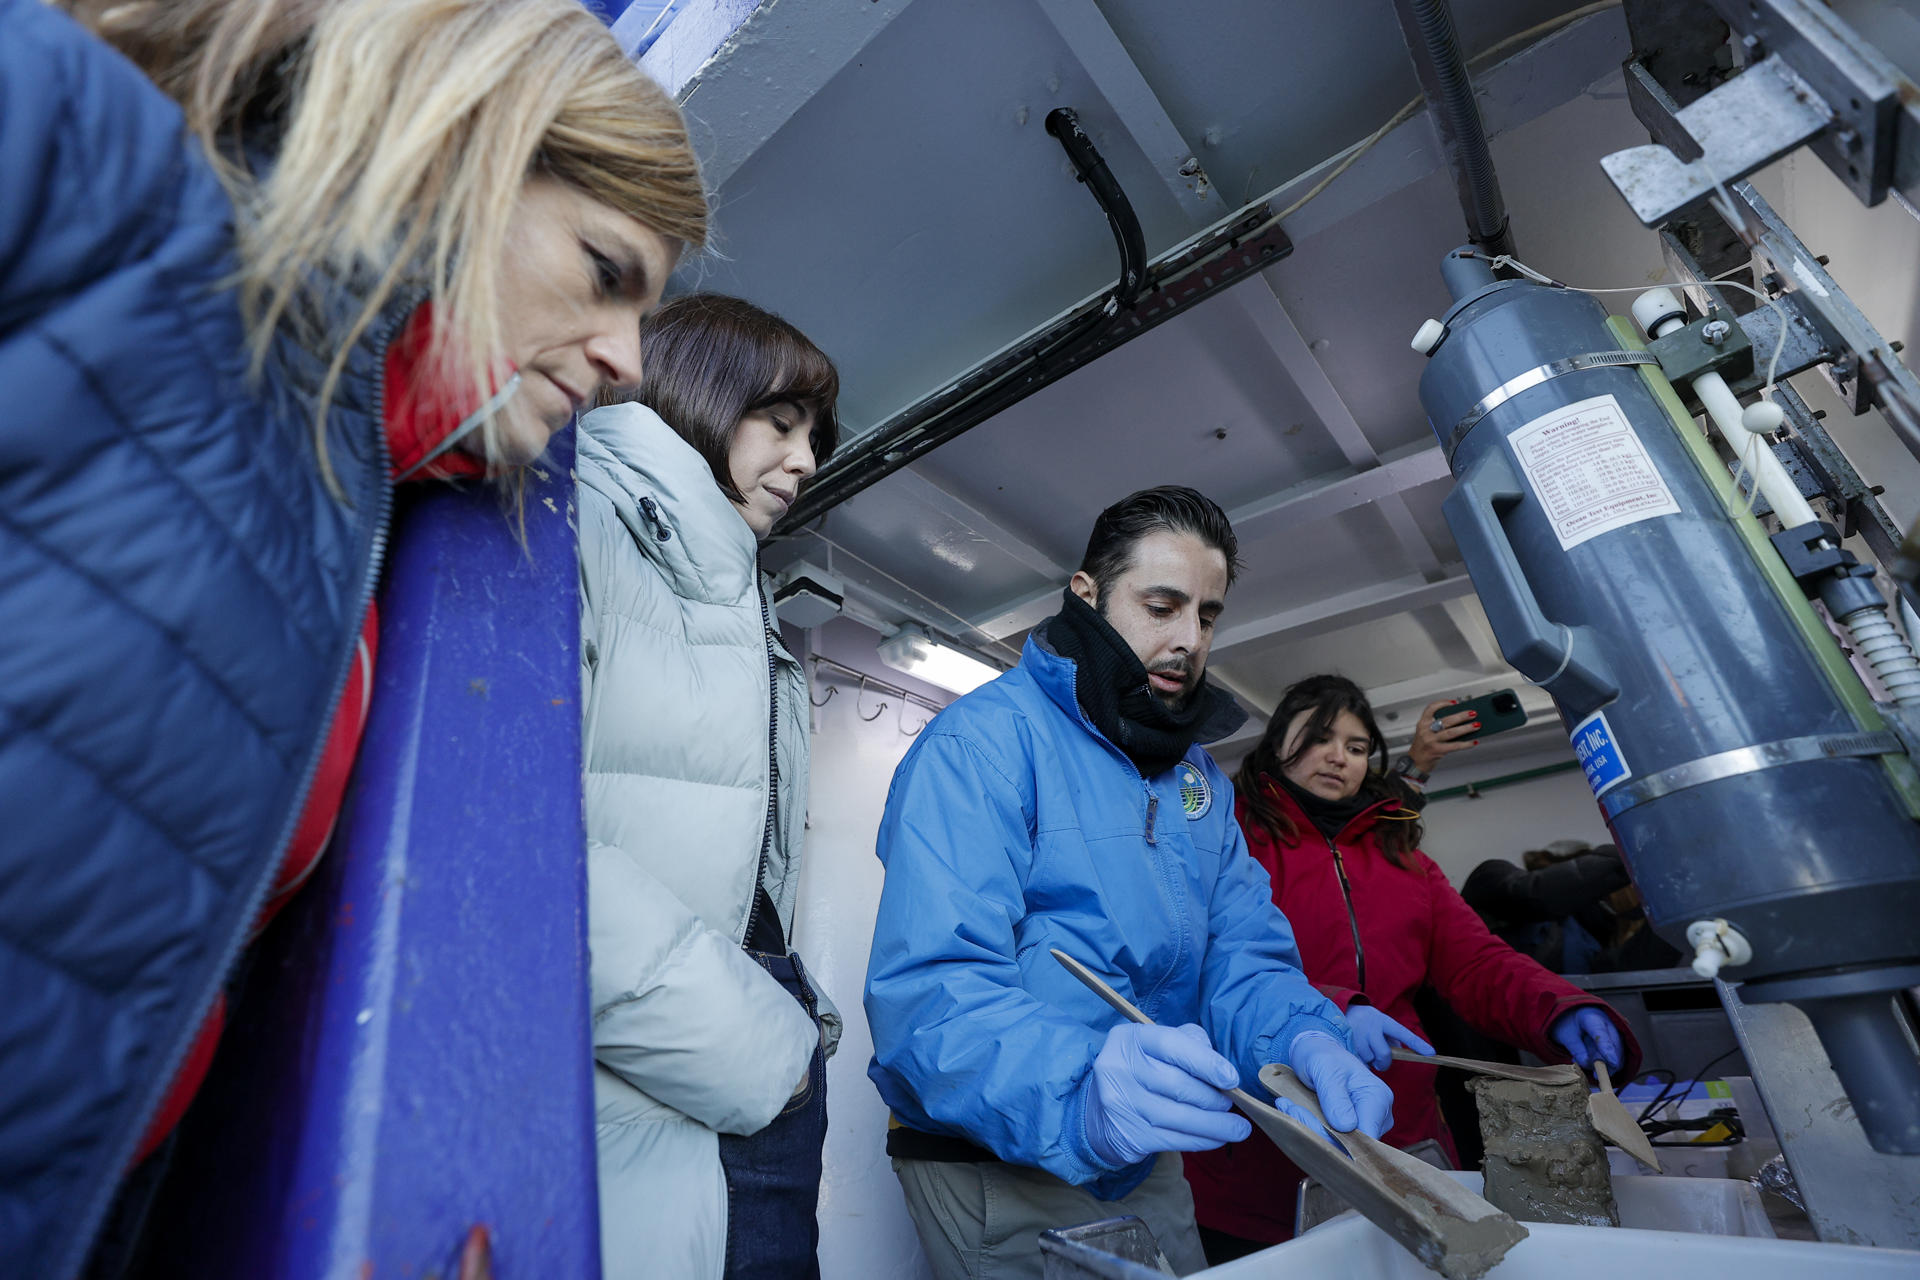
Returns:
<point x="1351" y="1097"/>
<point x="1375" y="1034"/>
<point x="1586" y="1034"/>
<point x="1155" y="1089"/>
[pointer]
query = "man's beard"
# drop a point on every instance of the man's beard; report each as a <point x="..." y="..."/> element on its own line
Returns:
<point x="1175" y="702"/>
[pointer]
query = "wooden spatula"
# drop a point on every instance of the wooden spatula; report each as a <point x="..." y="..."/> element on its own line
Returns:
<point x="1612" y="1121"/>
<point x="1565" y="1073"/>
<point x="1402" y="1203"/>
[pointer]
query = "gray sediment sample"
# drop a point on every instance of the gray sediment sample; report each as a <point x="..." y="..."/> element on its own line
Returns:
<point x="1544" y="1162"/>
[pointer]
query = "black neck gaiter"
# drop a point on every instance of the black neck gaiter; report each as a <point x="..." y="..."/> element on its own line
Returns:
<point x="1112" y="689"/>
<point x="1330" y="816"/>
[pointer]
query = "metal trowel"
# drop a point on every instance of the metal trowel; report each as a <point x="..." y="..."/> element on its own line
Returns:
<point x="1461" y="1244"/>
<point x="1565" y="1073"/>
<point x="1611" y="1121"/>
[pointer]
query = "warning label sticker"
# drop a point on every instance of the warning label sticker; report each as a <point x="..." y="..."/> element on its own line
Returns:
<point x="1590" y="471"/>
<point x="1599" y="754"/>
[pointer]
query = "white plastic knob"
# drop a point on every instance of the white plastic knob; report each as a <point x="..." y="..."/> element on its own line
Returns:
<point x="1654" y="306"/>
<point x="1428" y="336"/>
<point x="1762" y="417"/>
<point x="1717" y="944"/>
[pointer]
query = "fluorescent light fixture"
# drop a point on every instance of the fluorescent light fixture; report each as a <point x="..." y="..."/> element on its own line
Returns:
<point x="912" y="650"/>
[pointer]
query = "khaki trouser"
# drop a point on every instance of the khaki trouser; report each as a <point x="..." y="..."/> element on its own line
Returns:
<point x="983" y="1221"/>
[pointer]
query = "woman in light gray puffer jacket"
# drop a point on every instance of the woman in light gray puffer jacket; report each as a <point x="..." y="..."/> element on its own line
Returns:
<point x="710" y="1041"/>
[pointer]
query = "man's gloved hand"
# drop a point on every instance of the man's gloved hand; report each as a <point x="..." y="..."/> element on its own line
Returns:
<point x="1375" y="1034"/>
<point x="1587" y="1033"/>
<point x="1351" y="1097"/>
<point x="1155" y="1089"/>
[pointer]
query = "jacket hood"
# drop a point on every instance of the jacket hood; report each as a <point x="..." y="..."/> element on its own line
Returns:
<point x="666" y="497"/>
<point x="1055" y="673"/>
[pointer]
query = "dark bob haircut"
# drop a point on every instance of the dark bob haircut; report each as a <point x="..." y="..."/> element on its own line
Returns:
<point x="710" y="360"/>
<point x="1324" y="698"/>
<point x="1168" y="509"/>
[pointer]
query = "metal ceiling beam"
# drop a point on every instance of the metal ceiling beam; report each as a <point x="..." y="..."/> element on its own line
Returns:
<point x="1275" y="325"/>
<point x="1336" y="491"/>
<point x="1017" y="615"/>
<point x="1473" y="628"/>
<point x="1422" y="689"/>
<point x="1271" y="320"/>
<point x="1305" y="503"/>
<point x="1259" y="710"/>
<point x="925" y="493"/>
<point x="1091" y="40"/>
<point x="1539" y="78"/>
<point x="771" y="55"/>
<point x="1348" y="609"/>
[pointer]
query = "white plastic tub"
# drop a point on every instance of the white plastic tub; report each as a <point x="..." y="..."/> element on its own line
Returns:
<point x="1702" y="1206"/>
<point x="1351" y="1248"/>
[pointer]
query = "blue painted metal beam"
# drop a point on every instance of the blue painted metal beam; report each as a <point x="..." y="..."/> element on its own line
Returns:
<point x="410" y="1052"/>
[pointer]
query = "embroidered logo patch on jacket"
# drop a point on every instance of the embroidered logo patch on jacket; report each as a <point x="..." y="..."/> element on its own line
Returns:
<point x="1196" y="797"/>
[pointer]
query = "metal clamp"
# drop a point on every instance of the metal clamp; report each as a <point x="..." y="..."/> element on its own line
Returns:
<point x="1731" y="764"/>
<point x="1534" y="377"/>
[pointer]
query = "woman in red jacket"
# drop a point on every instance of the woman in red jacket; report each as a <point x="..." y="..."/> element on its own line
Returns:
<point x="1375" y="921"/>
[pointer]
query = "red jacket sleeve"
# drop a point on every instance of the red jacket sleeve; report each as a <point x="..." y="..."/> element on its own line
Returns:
<point x="1342" y="996"/>
<point x="1496" y="989"/>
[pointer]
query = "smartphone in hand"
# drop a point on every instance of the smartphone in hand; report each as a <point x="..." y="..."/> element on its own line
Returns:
<point x="1497" y="712"/>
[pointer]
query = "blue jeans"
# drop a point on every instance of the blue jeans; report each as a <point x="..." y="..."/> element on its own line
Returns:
<point x="773" y="1176"/>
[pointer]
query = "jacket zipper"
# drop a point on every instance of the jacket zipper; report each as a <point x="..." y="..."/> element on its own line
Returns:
<point x="773" y="762"/>
<point x="1353" y="921"/>
<point x="161" y="1083"/>
<point x="1146" y="999"/>
<point x="660" y="531"/>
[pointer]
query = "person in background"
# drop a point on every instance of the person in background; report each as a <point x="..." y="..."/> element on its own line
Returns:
<point x="1069" y="804"/>
<point x="258" y="263"/>
<point x="1553" y="907"/>
<point x="1570" y="906"/>
<point x="1376" y="921"/>
<point x="710" y="1039"/>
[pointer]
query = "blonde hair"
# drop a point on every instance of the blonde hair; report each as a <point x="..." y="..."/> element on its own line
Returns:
<point x="403" y="133"/>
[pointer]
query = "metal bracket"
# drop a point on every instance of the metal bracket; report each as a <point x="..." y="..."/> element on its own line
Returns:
<point x="1748" y="122"/>
<point x="1809" y="79"/>
<point x="1850" y="77"/>
<point x="1854" y="1194"/>
<point x="1688" y="352"/>
<point x="1679" y="46"/>
<point x="1809" y="342"/>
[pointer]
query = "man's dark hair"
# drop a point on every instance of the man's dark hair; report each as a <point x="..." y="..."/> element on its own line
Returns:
<point x="1171" y="508"/>
<point x="710" y="360"/>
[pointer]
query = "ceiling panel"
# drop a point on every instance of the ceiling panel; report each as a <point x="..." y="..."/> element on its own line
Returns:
<point x="1264" y="91"/>
<point x="1377" y="653"/>
<point x="914" y="215"/>
<point x="1199" y="401"/>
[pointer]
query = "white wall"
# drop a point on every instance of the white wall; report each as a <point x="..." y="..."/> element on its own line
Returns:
<point x="864" y="1228"/>
<point x="1507" y="821"/>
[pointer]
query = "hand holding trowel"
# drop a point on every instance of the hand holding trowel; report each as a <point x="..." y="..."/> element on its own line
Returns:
<point x="1448" y="1228"/>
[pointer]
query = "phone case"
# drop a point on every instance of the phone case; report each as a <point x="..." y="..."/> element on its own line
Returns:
<point x="1499" y="711"/>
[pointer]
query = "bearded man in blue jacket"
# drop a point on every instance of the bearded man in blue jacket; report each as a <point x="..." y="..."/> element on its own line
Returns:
<point x="1068" y="804"/>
